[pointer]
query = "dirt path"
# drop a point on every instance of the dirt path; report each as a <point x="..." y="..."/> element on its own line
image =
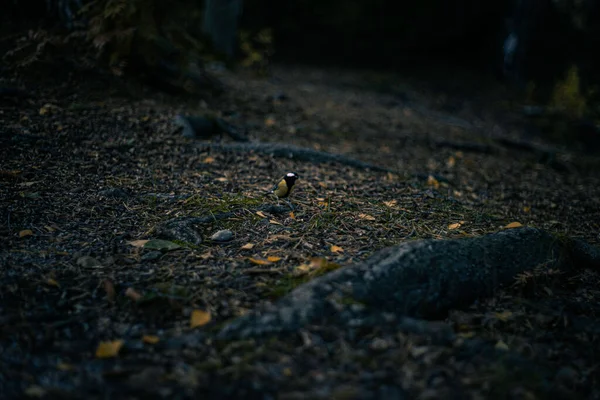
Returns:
<point x="90" y="166"/>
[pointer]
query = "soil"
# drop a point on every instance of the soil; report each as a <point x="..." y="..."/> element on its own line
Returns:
<point x="91" y="166"/>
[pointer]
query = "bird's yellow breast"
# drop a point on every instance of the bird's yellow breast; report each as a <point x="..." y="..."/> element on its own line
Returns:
<point x="282" y="189"/>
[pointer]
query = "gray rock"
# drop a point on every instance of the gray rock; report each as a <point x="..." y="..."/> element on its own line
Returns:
<point x="224" y="235"/>
<point x="88" y="262"/>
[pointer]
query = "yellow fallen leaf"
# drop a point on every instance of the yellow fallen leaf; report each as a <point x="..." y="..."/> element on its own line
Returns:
<point x="199" y="318"/>
<point x="526" y="209"/>
<point x="35" y="391"/>
<point x="366" y="216"/>
<point x="261" y="214"/>
<point x="270" y="121"/>
<point x="513" y="225"/>
<point x="322" y="184"/>
<point x="258" y="261"/>
<point x="25" y="232"/>
<point x="138" y="243"/>
<point x="49" y="228"/>
<point x="316" y="266"/>
<point x="109" y="349"/>
<point x="61" y="366"/>
<point x="504" y="315"/>
<point x="275" y="222"/>
<point x="292" y="216"/>
<point x="221" y="179"/>
<point x="208" y="160"/>
<point x="391" y="203"/>
<point x="431" y="181"/>
<point x="52" y="282"/>
<point x="500" y="345"/>
<point x="336" y="249"/>
<point x="454" y="226"/>
<point x="247" y="246"/>
<point x="451" y="162"/>
<point x="150" y="339"/>
<point x="273" y="258"/>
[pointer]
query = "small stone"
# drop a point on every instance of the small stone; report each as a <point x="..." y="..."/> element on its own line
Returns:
<point x="88" y="262"/>
<point x="151" y="256"/>
<point x="222" y="236"/>
<point x="567" y="376"/>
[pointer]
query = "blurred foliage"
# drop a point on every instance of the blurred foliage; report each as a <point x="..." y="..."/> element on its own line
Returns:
<point x="257" y="50"/>
<point x="151" y="37"/>
<point x="132" y="32"/>
<point x="567" y="96"/>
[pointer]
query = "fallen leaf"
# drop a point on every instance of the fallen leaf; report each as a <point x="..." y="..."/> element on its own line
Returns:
<point x="273" y="258"/>
<point x="258" y="261"/>
<point x="451" y="162"/>
<point x="199" y="318"/>
<point x="49" y="228"/>
<point x="454" y="226"/>
<point x="62" y="366"/>
<point x="109" y="288"/>
<point x="109" y="349"/>
<point x="150" y="339"/>
<point x="52" y="282"/>
<point x="27" y="184"/>
<point x="35" y="391"/>
<point x="431" y="181"/>
<point x="316" y="267"/>
<point x="336" y="249"/>
<point x="366" y="216"/>
<point x="208" y="160"/>
<point x="500" y="345"/>
<point x="390" y="203"/>
<point x="247" y="246"/>
<point x="270" y="121"/>
<point x="526" y="209"/>
<point x="272" y="221"/>
<point x="322" y="184"/>
<point x="138" y="243"/>
<point x="25" y="232"/>
<point x="292" y="216"/>
<point x="513" y="225"/>
<point x="261" y="214"/>
<point x="222" y="179"/>
<point x="504" y="315"/>
<point x="132" y="294"/>
<point x="48" y="108"/>
<point x="162" y="245"/>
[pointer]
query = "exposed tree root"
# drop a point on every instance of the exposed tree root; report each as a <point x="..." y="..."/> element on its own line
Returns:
<point x="422" y="279"/>
<point x="292" y="152"/>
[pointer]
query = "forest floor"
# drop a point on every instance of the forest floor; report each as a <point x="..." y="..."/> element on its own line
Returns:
<point x="91" y="165"/>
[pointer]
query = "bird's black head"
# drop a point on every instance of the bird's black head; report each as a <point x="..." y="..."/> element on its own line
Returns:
<point x="290" y="178"/>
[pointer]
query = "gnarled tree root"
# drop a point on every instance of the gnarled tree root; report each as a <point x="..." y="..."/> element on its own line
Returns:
<point x="292" y="152"/>
<point x="421" y="279"/>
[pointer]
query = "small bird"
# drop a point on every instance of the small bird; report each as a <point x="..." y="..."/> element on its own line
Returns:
<point x="283" y="189"/>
